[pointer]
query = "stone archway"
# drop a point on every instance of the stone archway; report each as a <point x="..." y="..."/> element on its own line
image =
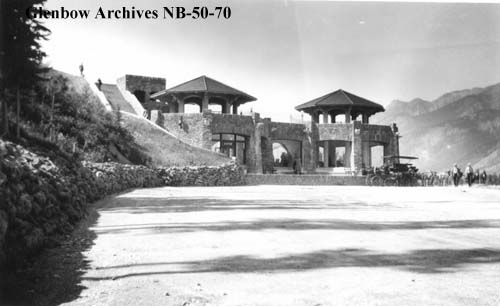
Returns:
<point x="286" y="154"/>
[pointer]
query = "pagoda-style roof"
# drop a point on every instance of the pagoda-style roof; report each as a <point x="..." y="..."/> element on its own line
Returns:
<point x="204" y="84"/>
<point x="340" y="100"/>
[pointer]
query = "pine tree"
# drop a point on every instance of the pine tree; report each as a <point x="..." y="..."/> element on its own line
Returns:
<point x="20" y="52"/>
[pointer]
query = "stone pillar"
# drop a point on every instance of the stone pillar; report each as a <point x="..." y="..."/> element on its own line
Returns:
<point x="181" y="106"/>
<point x="315" y="117"/>
<point x="257" y="148"/>
<point x="365" y="118"/>
<point x="325" y="117"/>
<point x="387" y="152"/>
<point x="333" y="153"/>
<point x="348" y="115"/>
<point x="367" y="154"/>
<point x="310" y="148"/>
<point x="326" y="153"/>
<point x="235" y="109"/>
<point x="356" y="149"/>
<point x="225" y="107"/>
<point x="171" y="107"/>
<point x="347" y="155"/>
<point x="332" y="116"/>
<point x="204" y="103"/>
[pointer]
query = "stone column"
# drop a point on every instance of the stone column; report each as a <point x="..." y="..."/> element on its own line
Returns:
<point x="365" y="118"/>
<point x="348" y="115"/>
<point x="332" y="116"/>
<point x="367" y="154"/>
<point x="204" y="102"/>
<point x="387" y="152"/>
<point x="347" y="155"/>
<point x="325" y="117"/>
<point x="315" y="117"/>
<point x="225" y="107"/>
<point x="356" y="149"/>
<point x="235" y="109"/>
<point x="333" y="152"/>
<point x="257" y="148"/>
<point x="326" y="153"/>
<point x="180" y="104"/>
<point x="171" y="107"/>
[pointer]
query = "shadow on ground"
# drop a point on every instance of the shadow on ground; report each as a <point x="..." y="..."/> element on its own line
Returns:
<point x="55" y="275"/>
<point x="420" y="261"/>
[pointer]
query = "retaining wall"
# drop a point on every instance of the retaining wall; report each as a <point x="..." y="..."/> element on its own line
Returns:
<point x="303" y="179"/>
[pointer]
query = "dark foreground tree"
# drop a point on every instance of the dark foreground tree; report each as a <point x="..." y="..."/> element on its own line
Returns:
<point x="20" y="53"/>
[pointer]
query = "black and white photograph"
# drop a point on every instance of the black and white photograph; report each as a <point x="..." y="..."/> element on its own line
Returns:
<point x="249" y="153"/>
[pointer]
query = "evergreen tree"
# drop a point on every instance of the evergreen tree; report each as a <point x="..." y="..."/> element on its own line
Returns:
<point x="20" y="52"/>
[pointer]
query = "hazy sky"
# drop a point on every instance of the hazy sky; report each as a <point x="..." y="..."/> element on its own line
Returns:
<point x="286" y="52"/>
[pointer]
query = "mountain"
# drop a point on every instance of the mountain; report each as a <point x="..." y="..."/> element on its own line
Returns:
<point x="461" y="126"/>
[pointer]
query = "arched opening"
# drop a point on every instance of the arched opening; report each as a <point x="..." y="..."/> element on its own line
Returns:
<point x="287" y="156"/>
<point x="192" y="105"/>
<point x="340" y="118"/>
<point x="231" y="145"/>
<point x="215" y="108"/>
<point x="217" y="105"/>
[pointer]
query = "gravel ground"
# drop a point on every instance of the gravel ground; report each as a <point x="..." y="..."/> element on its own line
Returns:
<point x="290" y="245"/>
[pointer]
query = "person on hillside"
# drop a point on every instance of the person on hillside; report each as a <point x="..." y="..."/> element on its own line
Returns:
<point x="477" y="176"/>
<point x="456" y="174"/>
<point x="81" y="69"/>
<point x="469" y="172"/>
<point x="483" y="177"/>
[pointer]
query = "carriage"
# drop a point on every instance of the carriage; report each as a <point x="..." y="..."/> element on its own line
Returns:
<point x="394" y="172"/>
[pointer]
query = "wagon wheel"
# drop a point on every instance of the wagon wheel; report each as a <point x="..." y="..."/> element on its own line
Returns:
<point x="413" y="181"/>
<point x="377" y="180"/>
<point x="368" y="179"/>
<point x="390" y="181"/>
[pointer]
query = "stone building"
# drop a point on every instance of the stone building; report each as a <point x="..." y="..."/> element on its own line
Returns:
<point x="314" y="146"/>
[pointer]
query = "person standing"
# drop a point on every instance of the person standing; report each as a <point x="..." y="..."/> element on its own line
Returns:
<point x="483" y="177"/>
<point x="469" y="172"/>
<point x="455" y="172"/>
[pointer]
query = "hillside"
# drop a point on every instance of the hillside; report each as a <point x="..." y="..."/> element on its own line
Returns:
<point x="164" y="148"/>
<point x="460" y="126"/>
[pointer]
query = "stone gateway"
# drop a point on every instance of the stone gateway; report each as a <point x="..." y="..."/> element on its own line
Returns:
<point x="340" y="143"/>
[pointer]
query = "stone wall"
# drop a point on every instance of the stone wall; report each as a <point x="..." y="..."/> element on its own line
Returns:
<point x="193" y="130"/>
<point x="226" y="175"/>
<point x="305" y="179"/>
<point x="137" y="82"/>
<point x="335" y="131"/>
<point x="41" y="198"/>
<point x="376" y="133"/>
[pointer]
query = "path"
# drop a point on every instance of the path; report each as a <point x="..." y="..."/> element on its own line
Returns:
<point x="296" y="245"/>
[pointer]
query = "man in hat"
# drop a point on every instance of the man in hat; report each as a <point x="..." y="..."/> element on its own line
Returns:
<point x="469" y="172"/>
<point x="456" y="173"/>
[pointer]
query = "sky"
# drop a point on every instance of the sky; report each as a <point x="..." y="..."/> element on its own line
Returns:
<point x="286" y="53"/>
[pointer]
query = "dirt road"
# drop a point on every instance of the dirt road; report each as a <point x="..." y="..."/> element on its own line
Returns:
<point x="295" y="245"/>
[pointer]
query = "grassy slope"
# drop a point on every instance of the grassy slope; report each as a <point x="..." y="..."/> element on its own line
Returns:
<point x="164" y="148"/>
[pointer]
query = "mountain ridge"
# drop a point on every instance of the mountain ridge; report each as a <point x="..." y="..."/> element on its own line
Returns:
<point x="459" y="126"/>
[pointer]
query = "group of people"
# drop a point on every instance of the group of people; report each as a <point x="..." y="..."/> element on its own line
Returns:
<point x="470" y="175"/>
